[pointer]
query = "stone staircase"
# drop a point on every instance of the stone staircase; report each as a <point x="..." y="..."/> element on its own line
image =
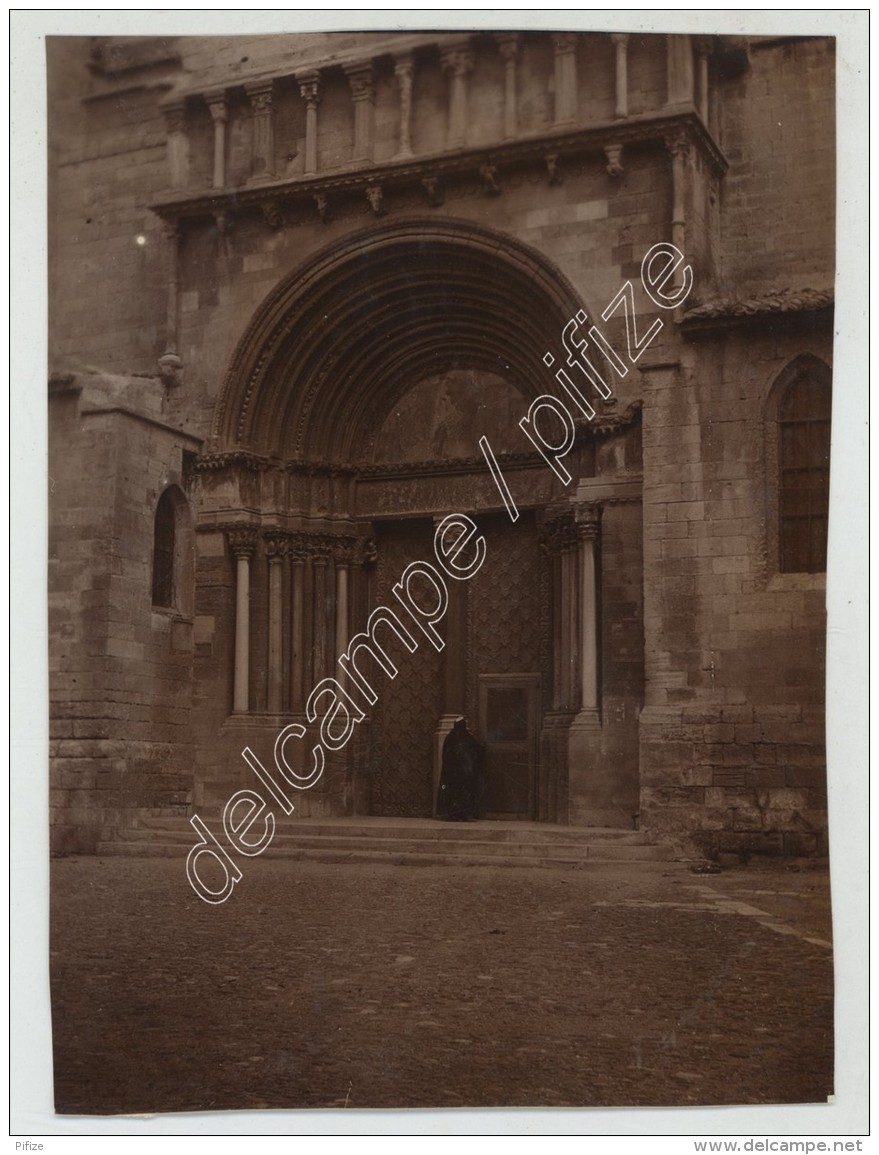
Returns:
<point x="409" y="842"/>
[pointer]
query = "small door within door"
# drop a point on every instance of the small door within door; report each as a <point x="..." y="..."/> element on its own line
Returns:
<point x="509" y="711"/>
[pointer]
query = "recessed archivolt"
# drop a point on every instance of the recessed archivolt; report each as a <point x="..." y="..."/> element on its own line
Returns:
<point x="335" y="345"/>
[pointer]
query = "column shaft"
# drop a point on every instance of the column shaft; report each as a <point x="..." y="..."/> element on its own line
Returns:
<point x="404" y="70"/>
<point x="588" y="628"/>
<point x="309" y="86"/>
<point x="679" y="147"/>
<point x="457" y="62"/>
<point x="263" y="156"/>
<point x="341" y="616"/>
<point x="172" y="235"/>
<point x="508" y="43"/>
<point x="219" y="115"/>
<point x="621" y="73"/>
<point x="320" y="619"/>
<point x="588" y="520"/>
<point x="565" y="45"/>
<point x="178" y="145"/>
<point x="297" y="643"/>
<point x="276" y="616"/>
<point x="568" y="604"/>
<point x="680" y="69"/>
<point x="557" y="631"/>
<point x="703" y="51"/>
<point x="241" y="542"/>
<point x="361" y="78"/>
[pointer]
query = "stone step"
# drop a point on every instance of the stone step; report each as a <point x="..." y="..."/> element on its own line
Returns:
<point x="524" y="848"/>
<point x="407" y="841"/>
<point x="447" y="856"/>
<point x="419" y="830"/>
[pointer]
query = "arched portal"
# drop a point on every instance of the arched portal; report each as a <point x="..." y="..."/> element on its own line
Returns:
<point x="348" y="426"/>
<point x="339" y="341"/>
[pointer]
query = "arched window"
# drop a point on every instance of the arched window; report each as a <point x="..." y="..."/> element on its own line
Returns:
<point x="171" y="550"/>
<point x="803" y="397"/>
<point x="163" y="552"/>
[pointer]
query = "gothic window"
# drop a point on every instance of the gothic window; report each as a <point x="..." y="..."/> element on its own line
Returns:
<point x="803" y="448"/>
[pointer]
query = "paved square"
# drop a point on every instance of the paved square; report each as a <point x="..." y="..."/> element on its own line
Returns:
<point x="325" y="985"/>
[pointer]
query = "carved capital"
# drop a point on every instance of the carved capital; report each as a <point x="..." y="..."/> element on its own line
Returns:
<point x="678" y="143"/>
<point x="367" y="551"/>
<point x="309" y="87"/>
<point x="175" y="117"/>
<point x="242" y="541"/>
<point x="619" y="39"/>
<point x="297" y="548"/>
<point x="344" y="551"/>
<point x="404" y="68"/>
<point x="276" y="546"/>
<point x="564" y="43"/>
<point x="508" y="45"/>
<point x="559" y="534"/>
<point x="361" y="78"/>
<point x="224" y="223"/>
<point x="260" y="94"/>
<point x="320" y="550"/>
<point x="588" y="522"/>
<point x="322" y="204"/>
<point x="703" y="45"/>
<point x="216" y="102"/>
<point x="457" y="59"/>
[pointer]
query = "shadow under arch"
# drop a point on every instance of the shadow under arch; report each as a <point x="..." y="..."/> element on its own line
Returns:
<point x="339" y="340"/>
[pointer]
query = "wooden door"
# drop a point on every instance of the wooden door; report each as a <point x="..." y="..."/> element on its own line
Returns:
<point x="509" y="726"/>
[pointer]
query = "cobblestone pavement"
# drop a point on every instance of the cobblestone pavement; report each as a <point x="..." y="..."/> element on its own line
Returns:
<point x="379" y="986"/>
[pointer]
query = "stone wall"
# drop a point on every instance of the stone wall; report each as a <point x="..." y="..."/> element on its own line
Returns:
<point x="732" y="737"/>
<point x="120" y="668"/>
<point x="728" y="659"/>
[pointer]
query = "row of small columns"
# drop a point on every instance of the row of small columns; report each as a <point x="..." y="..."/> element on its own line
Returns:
<point x="457" y="62"/>
<point x="329" y="639"/>
<point x="572" y="541"/>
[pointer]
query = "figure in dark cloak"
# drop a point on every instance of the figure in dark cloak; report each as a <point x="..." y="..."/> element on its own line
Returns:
<point x="461" y="777"/>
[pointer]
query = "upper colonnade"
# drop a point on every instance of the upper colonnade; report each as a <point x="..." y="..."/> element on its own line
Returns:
<point x="427" y="108"/>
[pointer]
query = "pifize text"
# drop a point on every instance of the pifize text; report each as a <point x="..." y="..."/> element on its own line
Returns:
<point x="336" y="706"/>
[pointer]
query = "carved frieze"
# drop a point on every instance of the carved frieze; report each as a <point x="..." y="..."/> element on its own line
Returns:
<point x="237" y="459"/>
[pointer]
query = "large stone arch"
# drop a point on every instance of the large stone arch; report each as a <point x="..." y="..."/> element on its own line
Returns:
<point x="339" y="339"/>
<point x="439" y="324"/>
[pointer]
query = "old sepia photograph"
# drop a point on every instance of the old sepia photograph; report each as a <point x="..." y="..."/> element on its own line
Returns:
<point x="439" y="454"/>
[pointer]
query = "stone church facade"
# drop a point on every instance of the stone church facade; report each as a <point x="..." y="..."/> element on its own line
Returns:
<point x="296" y="280"/>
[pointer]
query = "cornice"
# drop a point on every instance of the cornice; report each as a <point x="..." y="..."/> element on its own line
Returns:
<point x="771" y="305"/>
<point x="549" y="149"/>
